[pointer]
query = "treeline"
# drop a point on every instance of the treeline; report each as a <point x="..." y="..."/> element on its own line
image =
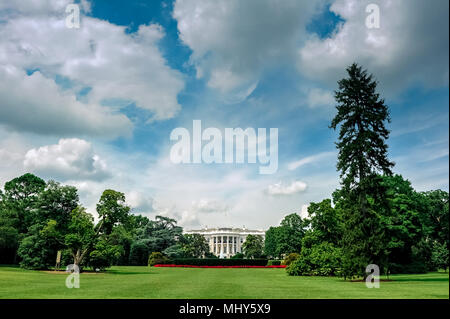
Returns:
<point x="38" y="219"/>
<point x="415" y="228"/>
<point x="376" y="217"/>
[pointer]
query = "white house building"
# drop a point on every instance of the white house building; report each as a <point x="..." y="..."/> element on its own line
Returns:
<point x="226" y="242"/>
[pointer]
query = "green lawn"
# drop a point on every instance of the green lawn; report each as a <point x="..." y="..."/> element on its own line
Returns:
<point x="145" y="282"/>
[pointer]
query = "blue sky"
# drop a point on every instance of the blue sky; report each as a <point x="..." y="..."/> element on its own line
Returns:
<point x="94" y="107"/>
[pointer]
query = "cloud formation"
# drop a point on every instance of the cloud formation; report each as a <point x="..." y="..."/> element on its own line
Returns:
<point x="233" y="41"/>
<point x="292" y="188"/>
<point x="70" y="159"/>
<point x="81" y="69"/>
<point x="411" y="31"/>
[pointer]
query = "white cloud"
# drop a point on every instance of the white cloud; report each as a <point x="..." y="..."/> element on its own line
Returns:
<point x="70" y="159"/>
<point x="310" y="159"/>
<point x="233" y="41"/>
<point x="36" y="104"/>
<point x="140" y="203"/>
<point x="100" y="58"/>
<point x="398" y="53"/>
<point x="317" y="97"/>
<point x="280" y="189"/>
<point x="209" y="206"/>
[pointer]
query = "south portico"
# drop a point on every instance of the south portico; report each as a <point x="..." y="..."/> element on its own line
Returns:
<point x="226" y="242"/>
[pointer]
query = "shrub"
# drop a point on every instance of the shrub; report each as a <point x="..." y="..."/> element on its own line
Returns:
<point x="104" y="255"/>
<point x="238" y="256"/>
<point x="323" y="259"/>
<point x="274" y="263"/>
<point x="156" y="258"/>
<point x="290" y="258"/>
<point x="138" y="253"/>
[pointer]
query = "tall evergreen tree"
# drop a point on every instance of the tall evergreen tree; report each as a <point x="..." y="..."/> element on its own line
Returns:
<point x="361" y="117"/>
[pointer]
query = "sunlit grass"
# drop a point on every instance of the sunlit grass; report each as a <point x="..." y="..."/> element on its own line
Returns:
<point x="145" y="282"/>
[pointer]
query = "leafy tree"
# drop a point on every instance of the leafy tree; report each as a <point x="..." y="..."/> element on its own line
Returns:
<point x="139" y="252"/>
<point x="35" y="251"/>
<point x="112" y="210"/>
<point x="194" y="245"/>
<point x="438" y="216"/>
<point x="271" y="242"/>
<point x="159" y="234"/>
<point x="104" y="254"/>
<point x="9" y="235"/>
<point x="401" y="220"/>
<point x="20" y="196"/>
<point x="324" y="224"/>
<point x="286" y="238"/>
<point x="361" y="116"/>
<point x="323" y="259"/>
<point x="253" y="246"/>
<point x="81" y="235"/>
<point x="52" y="210"/>
<point x="439" y="256"/>
<point x="175" y="251"/>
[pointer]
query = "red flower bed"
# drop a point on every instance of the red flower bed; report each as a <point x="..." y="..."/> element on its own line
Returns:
<point x="195" y="266"/>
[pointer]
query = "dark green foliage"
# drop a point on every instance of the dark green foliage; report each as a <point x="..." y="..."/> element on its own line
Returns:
<point x="253" y="246"/>
<point x="159" y="234"/>
<point x="175" y="251"/>
<point x="139" y="252"/>
<point x="238" y="256"/>
<point x="194" y="245"/>
<point x="361" y="116"/>
<point x="111" y="210"/>
<point x="439" y="256"/>
<point x="104" y="255"/>
<point x="290" y="258"/>
<point x="219" y="262"/>
<point x="438" y="216"/>
<point x="324" y="259"/>
<point x="157" y="258"/>
<point x="286" y="238"/>
<point x="324" y="222"/>
<point x="274" y="262"/>
<point x="20" y="196"/>
<point x="35" y="251"/>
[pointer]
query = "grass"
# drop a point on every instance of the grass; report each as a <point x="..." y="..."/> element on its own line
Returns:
<point x="190" y="283"/>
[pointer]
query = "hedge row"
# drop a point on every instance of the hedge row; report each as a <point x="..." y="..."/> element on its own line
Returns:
<point x="218" y="262"/>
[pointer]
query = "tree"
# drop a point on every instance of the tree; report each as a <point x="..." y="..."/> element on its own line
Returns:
<point x="51" y="211"/>
<point x="271" y="242"/>
<point x="194" y="245"/>
<point x="401" y="222"/>
<point x="438" y="216"/>
<point x="112" y="210"/>
<point x="253" y="246"/>
<point x="439" y="256"/>
<point x="286" y="238"/>
<point x="324" y="224"/>
<point x="81" y="234"/>
<point x="361" y="115"/>
<point x="159" y="234"/>
<point x="20" y="196"/>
